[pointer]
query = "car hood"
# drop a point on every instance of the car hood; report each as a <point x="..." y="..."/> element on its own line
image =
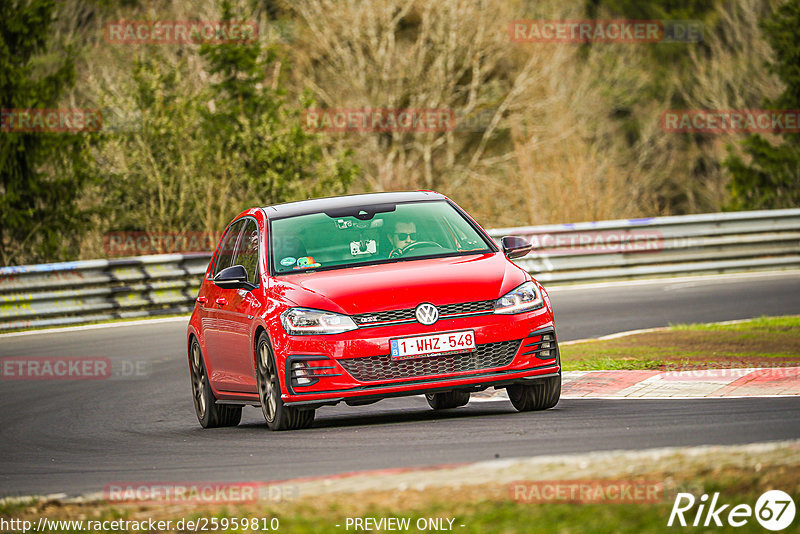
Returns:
<point x="403" y="284"/>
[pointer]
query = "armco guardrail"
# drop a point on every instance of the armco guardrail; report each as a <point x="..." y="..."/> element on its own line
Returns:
<point x="95" y="290"/>
<point x="83" y="291"/>
<point x="661" y="246"/>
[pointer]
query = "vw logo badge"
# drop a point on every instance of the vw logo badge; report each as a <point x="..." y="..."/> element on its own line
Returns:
<point x="427" y="313"/>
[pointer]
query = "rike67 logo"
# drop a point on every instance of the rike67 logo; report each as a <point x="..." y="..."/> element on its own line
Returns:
<point x="774" y="510"/>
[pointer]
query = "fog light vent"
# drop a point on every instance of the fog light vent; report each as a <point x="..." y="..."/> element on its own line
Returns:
<point x="541" y="345"/>
<point x="301" y="373"/>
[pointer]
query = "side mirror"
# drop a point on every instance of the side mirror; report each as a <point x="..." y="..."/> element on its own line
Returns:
<point x="234" y="277"/>
<point x="515" y="246"/>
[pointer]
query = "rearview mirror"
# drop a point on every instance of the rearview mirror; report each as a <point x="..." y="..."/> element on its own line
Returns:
<point x="515" y="246"/>
<point x="234" y="277"/>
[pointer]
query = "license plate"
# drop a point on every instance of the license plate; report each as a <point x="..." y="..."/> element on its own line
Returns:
<point x="435" y="344"/>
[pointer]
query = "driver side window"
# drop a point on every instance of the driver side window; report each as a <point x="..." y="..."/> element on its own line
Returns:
<point x="227" y="247"/>
<point x="247" y="251"/>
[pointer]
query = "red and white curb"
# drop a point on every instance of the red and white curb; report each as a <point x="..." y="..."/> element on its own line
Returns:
<point x="752" y="382"/>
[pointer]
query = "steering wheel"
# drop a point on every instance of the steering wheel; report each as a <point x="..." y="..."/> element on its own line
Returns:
<point x="396" y="253"/>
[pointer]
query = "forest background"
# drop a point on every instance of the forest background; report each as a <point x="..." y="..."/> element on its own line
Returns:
<point x="544" y="132"/>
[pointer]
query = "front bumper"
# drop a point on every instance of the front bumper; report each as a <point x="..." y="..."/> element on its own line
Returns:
<point x="356" y="367"/>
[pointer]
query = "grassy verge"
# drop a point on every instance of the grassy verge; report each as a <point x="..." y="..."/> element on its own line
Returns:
<point x="484" y="508"/>
<point x="764" y="342"/>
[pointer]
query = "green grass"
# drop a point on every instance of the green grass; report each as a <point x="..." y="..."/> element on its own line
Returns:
<point x="508" y="516"/>
<point x="609" y="363"/>
<point x="769" y="324"/>
<point x="15" y="506"/>
<point x="489" y="516"/>
<point x="766" y="341"/>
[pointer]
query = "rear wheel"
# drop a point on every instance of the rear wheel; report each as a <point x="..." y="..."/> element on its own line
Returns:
<point x="447" y="400"/>
<point x="541" y="395"/>
<point x="209" y="413"/>
<point x="278" y="415"/>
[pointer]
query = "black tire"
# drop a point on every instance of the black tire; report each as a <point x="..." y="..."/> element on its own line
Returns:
<point x="209" y="413"/>
<point x="447" y="400"/>
<point x="541" y="395"/>
<point x="277" y="415"/>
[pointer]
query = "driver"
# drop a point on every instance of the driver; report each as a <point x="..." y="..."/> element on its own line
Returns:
<point x="405" y="233"/>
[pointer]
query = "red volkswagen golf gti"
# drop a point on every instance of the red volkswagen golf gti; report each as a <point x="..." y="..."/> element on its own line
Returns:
<point x="364" y="297"/>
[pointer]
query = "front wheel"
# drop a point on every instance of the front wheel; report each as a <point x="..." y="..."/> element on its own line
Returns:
<point x="209" y="413"/>
<point x="447" y="400"/>
<point x="541" y="395"/>
<point x="278" y="415"/>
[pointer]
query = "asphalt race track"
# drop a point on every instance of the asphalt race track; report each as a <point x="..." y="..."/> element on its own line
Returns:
<point x="77" y="436"/>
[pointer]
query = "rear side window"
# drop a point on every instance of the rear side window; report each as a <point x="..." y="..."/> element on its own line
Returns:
<point x="227" y="247"/>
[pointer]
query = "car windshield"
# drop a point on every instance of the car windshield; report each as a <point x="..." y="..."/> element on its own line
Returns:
<point x="372" y="234"/>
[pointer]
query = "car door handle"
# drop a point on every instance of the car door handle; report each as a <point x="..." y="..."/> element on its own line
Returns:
<point x="202" y="300"/>
<point x="222" y="301"/>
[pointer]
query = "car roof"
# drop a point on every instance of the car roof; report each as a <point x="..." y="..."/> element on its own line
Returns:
<point x="318" y="205"/>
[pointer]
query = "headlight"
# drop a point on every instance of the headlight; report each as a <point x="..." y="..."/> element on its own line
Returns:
<point x="304" y="321"/>
<point x="522" y="299"/>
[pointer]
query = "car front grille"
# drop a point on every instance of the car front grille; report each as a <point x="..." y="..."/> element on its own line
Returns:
<point x="466" y="307"/>
<point x="367" y="319"/>
<point x="485" y="356"/>
<point x="384" y="316"/>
